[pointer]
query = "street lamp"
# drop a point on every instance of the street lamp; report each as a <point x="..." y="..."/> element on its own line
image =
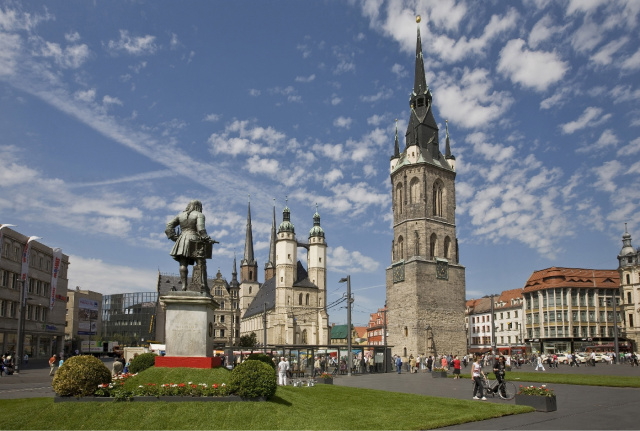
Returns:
<point x="349" y="301"/>
<point x="21" y="320"/>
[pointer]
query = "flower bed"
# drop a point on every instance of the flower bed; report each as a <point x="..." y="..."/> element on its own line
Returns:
<point x="540" y="398"/>
<point x="536" y="390"/>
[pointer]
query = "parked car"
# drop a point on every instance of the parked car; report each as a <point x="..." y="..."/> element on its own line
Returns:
<point x="562" y="358"/>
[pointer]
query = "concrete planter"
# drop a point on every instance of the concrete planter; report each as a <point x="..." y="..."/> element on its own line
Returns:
<point x="538" y="402"/>
<point x="439" y="374"/>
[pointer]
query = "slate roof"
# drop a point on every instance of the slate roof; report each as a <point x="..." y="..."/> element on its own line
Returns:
<point x="572" y="277"/>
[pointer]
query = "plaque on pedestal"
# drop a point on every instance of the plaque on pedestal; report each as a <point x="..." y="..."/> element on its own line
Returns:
<point x="188" y="323"/>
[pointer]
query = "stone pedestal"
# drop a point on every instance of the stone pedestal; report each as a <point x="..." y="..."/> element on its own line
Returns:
<point x="188" y="329"/>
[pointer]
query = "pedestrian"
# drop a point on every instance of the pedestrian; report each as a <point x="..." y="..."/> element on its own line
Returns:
<point x="399" y="364"/>
<point x="52" y="365"/>
<point x="429" y="364"/>
<point x="444" y="363"/>
<point x="118" y="365"/>
<point x="456" y="367"/>
<point x="412" y="363"/>
<point x="539" y="364"/>
<point x="26" y="359"/>
<point x="478" y="376"/>
<point x="499" y="370"/>
<point x="283" y="367"/>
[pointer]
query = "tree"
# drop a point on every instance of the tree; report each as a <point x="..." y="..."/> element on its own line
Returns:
<point x="248" y="340"/>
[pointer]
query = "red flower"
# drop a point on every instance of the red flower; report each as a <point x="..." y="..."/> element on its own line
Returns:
<point x="215" y="386"/>
<point x="181" y="385"/>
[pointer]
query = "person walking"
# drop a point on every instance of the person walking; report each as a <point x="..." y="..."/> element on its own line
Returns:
<point x="283" y="367"/>
<point x="478" y="375"/>
<point x="399" y="364"/>
<point x="539" y="364"/>
<point x="456" y="367"/>
<point x="52" y="365"/>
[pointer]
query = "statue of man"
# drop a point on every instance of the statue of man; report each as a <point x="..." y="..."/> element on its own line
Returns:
<point x="192" y="231"/>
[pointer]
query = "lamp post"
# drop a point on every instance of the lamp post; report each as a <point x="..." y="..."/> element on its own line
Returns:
<point x="21" y="319"/>
<point x="384" y="337"/>
<point x="347" y="279"/>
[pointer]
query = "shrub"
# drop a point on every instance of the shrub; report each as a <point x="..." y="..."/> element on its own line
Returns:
<point x="253" y="379"/>
<point x="142" y="362"/>
<point x="262" y="357"/>
<point x="80" y="376"/>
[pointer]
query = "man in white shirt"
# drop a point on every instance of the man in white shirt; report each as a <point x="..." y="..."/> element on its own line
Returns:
<point x="283" y="367"/>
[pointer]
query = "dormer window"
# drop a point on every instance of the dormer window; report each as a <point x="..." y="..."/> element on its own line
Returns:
<point x="420" y="102"/>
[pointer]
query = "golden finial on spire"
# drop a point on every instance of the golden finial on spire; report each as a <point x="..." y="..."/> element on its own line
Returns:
<point x="418" y="19"/>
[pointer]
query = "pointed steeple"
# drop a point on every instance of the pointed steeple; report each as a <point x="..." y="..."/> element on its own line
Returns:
<point x="234" y="274"/>
<point x="396" y="148"/>
<point x="270" y="266"/>
<point x="248" y="241"/>
<point x="420" y="80"/>
<point x="447" y="154"/>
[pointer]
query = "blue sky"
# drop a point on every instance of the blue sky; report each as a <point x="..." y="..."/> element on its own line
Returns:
<point x="115" y="114"/>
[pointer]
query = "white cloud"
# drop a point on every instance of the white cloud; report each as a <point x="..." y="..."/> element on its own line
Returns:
<point x="334" y="152"/>
<point x="213" y="118"/>
<point x="604" y="56"/>
<point x="71" y="57"/>
<point x="587" y="37"/>
<point x="558" y="99"/>
<point x="108" y="279"/>
<point x="332" y="176"/>
<point x="344" y="122"/>
<point x="469" y="101"/>
<point x="591" y="117"/>
<point x="630" y="149"/>
<point x="542" y="31"/>
<point x="606" y="140"/>
<point x="633" y="62"/>
<point x="335" y="100"/>
<point x="585" y="6"/>
<point x="254" y="92"/>
<point x="108" y="100"/>
<point x="606" y="175"/>
<point x="309" y="78"/>
<point x="241" y="137"/>
<point x="383" y="94"/>
<point x="399" y="70"/>
<point x="257" y="165"/>
<point x="174" y="42"/>
<point x="137" y="45"/>
<point x="534" y="69"/>
<point x="86" y="96"/>
<point x="341" y="259"/>
<point x="72" y="37"/>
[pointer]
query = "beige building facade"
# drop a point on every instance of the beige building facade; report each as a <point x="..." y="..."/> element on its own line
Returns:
<point x="83" y="315"/>
<point x="292" y="303"/>
<point x="629" y="269"/>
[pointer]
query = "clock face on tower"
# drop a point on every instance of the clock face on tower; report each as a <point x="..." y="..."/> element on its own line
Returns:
<point x="442" y="269"/>
<point x="398" y="272"/>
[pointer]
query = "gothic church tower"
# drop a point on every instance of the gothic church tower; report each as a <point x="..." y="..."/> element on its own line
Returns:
<point x="425" y="282"/>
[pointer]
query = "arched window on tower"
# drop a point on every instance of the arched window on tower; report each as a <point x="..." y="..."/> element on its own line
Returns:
<point x="415" y="194"/>
<point x="437" y="198"/>
<point x="628" y="279"/>
<point x="416" y="241"/>
<point x="300" y="299"/>
<point x="433" y="246"/>
<point x="447" y="247"/>
<point x="400" y="253"/>
<point x="307" y="300"/>
<point x="399" y="198"/>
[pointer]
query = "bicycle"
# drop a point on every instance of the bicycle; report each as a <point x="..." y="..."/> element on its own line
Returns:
<point x="506" y="390"/>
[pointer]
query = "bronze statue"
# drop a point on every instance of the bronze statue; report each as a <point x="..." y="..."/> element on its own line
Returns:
<point x="192" y="244"/>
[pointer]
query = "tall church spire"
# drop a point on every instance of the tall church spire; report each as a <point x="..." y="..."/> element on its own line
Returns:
<point x="248" y="265"/>
<point x="420" y="80"/>
<point x="248" y="241"/>
<point x="270" y="266"/>
<point x="396" y="148"/>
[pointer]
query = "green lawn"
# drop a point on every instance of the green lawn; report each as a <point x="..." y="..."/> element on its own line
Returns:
<point x="571" y="379"/>
<point x="312" y="408"/>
